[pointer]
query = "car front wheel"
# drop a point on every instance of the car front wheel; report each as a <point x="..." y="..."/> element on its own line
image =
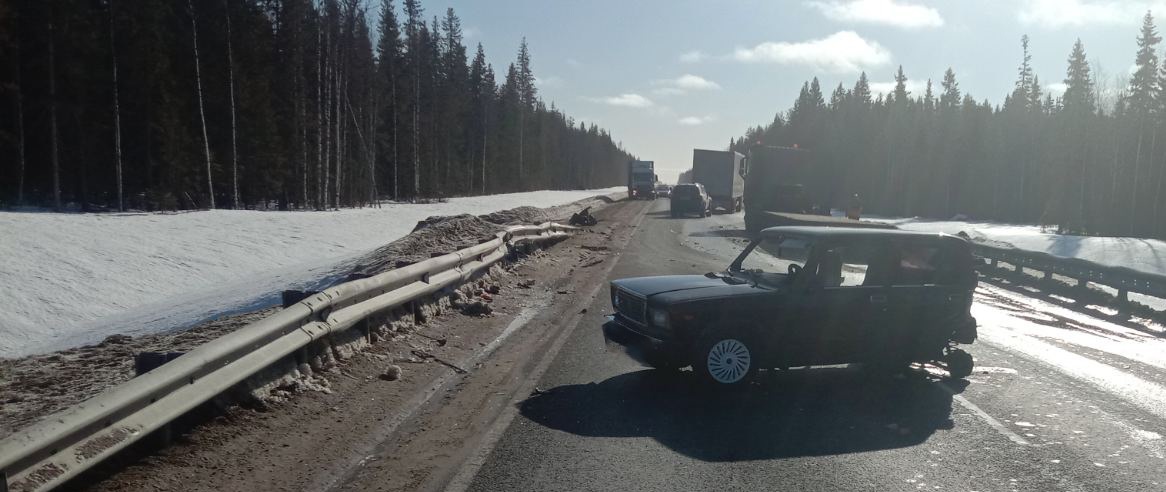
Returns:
<point x="725" y="360"/>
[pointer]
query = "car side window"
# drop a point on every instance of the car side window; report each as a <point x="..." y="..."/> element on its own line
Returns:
<point x="844" y="266"/>
<point x="919" y="264"/>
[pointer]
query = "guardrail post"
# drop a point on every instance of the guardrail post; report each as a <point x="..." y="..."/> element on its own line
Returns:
<point x="3" y="481"/>
<point x="1123" y="301"/>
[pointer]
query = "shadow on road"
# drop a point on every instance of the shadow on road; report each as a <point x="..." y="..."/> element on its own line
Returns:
<point x="738" y="233"/>
<point x="812" y="412"/>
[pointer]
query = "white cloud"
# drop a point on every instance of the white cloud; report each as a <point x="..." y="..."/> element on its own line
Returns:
<point x="550" y="81"/>
<point x="682" y="84"/>
<point x="471" y="32"/>
<point x="573" y="63"/>
<point x="693" y="56"/>
<point x="843" y="51"/>
<point x="1053" y="14"/>
<point x="696" y="120"/>
<point x="915" y="87"/>
<point x="629" y="100"/>
<point x="887" y="12"/>
<point x="1056" y="88"/>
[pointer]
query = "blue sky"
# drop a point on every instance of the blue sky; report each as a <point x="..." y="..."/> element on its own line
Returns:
<point x="667" y="76"/>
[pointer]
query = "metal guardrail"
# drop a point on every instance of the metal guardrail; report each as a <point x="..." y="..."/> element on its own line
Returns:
<point x="64" y="444"/>
<point x="1124" y="280"/>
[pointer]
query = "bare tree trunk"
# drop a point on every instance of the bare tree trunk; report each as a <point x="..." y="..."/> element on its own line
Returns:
<point x="371" y="148"/>
<point x="116" y="114"/>
<point x="521" y="146"/>
<point x="1161" y="228"/>
<point x="338" y="88"/>
<point x="301" y="103"/>
<point x="485" y="127"/>
<point x="416" y="130"/>
<point x="327" y="129"/>
<point x="393" y="94"/>
<point x="19" y="123"/>
<point x="201" y="110"/>
<point x="319" y="114"/>
<point x="234" y="127"/>
<point x="53" y="120"/>
<point x="1134" y="182"/>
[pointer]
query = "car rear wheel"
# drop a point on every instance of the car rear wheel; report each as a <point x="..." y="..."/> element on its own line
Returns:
<point x="727" y="360"/>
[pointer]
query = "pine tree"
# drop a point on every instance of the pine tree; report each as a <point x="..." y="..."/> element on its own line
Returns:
<point x="1079" y="96"/>
<point x="928" y="98"/>
<point x="389" y="53"/>
<point x="1020" y="94"/>
<point x="900" y="94"/>
<point x="527" y="94"/>
<point x="861" y="91"/>
<point x="1144" y="83"/>
<point x="950" y="98"/>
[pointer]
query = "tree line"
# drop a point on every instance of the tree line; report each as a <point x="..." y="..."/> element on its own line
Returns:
<point x="1091" y="160"/>
<point x="170" y="104"/>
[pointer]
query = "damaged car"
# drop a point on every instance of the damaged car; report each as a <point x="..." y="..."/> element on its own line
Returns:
<point x="806" y="296"/>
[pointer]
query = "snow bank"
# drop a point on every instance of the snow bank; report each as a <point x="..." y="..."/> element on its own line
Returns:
<point x="72" y="279"/>
<point x="1147" y="255"/>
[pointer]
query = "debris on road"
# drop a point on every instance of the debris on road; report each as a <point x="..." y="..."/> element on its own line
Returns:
<point x="477" y="308"/>
<point x="583" y="218"/>
<point x="392" y="373"/>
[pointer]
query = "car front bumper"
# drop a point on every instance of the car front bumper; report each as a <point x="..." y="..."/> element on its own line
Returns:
<point x="619" y="336"/>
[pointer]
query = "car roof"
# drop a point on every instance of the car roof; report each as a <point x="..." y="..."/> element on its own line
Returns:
<point x="842" y="234"/>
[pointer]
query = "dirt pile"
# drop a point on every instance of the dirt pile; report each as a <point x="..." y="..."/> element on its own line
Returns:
<point x="433" y="236"/>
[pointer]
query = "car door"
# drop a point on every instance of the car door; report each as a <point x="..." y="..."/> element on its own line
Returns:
<point x="836" y="317"/>
<point x="919" y="306"/>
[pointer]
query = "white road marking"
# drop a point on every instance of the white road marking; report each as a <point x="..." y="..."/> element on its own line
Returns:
<point x="995" y="424"/>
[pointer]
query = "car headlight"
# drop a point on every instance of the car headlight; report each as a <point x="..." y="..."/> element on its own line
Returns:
<point x="659" y="317"/>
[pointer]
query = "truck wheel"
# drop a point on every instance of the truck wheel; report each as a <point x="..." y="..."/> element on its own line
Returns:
<point x="725" y="360"/>
<point x="959" y="363"/>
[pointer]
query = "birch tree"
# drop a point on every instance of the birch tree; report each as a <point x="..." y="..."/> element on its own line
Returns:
<point x="210" y="185"/>
<point x="231" y="98"/>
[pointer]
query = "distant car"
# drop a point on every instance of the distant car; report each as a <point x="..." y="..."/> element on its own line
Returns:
<point x="663" y="190"/>
<point x="884" y="298"/>
<point x="690" y="198"/>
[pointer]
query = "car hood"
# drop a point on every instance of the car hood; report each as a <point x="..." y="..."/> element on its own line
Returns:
<point x="650" y="286"/>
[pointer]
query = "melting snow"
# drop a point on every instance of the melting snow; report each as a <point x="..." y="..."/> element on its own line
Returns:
<point x="71" y="279"/>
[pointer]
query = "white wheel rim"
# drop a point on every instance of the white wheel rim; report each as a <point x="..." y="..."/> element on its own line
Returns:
<point x="728" y="361"/>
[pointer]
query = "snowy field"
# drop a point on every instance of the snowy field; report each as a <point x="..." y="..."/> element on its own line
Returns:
<point x="1147" y="255"/>
<point x="72" y="279"/>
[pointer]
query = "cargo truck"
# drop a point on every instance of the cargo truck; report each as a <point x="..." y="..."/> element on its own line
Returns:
<point x="782" y="189"/>
<point x="722" y="172"/>
<point x="642" y="180"/>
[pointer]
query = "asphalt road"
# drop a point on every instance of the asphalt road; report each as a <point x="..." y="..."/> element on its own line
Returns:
<point x="1060" y="401"/>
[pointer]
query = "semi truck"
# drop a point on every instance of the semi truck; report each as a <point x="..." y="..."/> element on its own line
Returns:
<point x="722" y="172"/>
<point x="782" y="189"/>
<point x="642" y="179"/>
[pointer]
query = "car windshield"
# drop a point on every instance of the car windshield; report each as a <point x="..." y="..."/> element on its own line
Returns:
<point x="773" y="261"/>
<point x="770" y="261"/>
<point x="685" y="191"/>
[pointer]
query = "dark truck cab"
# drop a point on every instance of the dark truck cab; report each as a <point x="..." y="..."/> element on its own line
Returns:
<point x="805" y="296"/>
